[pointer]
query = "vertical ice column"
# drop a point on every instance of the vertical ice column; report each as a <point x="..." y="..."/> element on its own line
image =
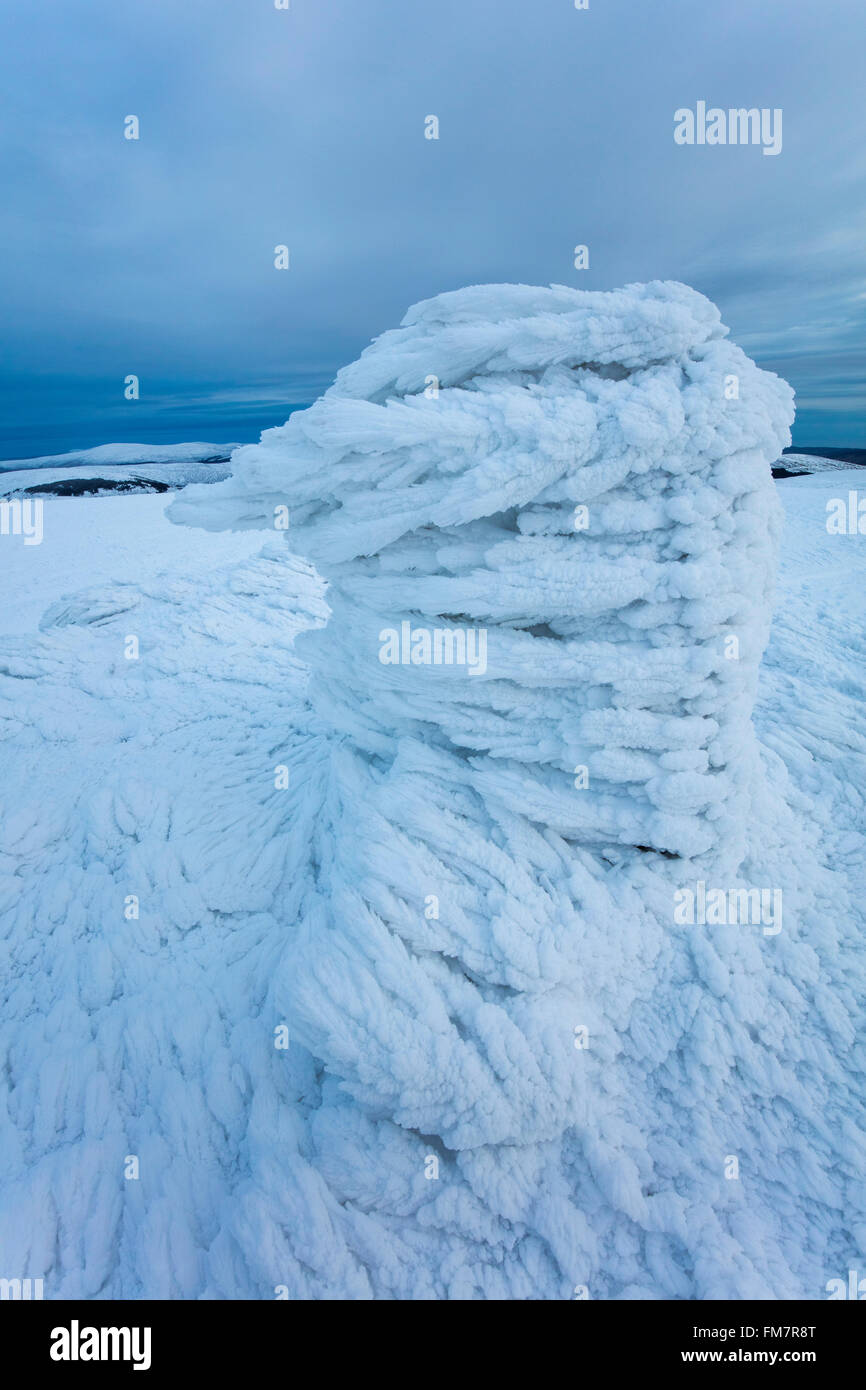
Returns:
<point x="568" y="497"/>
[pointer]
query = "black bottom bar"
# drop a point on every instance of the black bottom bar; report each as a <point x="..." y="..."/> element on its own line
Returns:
<point x="71" y="1339"/>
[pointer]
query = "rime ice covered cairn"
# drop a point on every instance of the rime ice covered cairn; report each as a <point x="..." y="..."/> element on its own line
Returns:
<point x="519" y="1077"/>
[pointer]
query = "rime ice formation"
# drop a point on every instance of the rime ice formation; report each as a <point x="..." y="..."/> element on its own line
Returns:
<point x="606" y="629"/>
<point x="511" y="1073"/>
<point x="462" y="906"/>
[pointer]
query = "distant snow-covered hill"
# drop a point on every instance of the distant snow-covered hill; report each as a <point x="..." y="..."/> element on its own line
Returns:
<point x="115" y="468"/>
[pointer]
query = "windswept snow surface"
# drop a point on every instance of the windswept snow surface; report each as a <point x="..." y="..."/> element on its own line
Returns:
<point x="511" y="1072"/>
<point x="92" y="542"/>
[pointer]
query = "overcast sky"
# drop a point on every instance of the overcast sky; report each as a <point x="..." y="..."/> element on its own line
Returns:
<point x="261" y="127"/>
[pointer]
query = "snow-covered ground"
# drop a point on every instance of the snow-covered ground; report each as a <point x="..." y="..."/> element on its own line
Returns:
<point x="95" y="541"/>
<point x="154" y="1037"/>
<point x="334" y="988"/>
